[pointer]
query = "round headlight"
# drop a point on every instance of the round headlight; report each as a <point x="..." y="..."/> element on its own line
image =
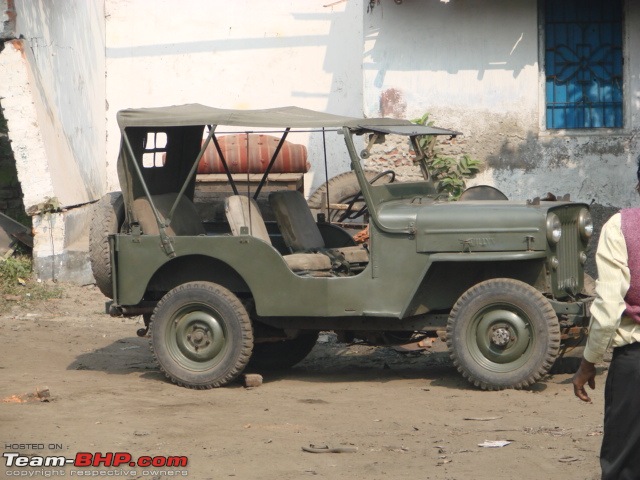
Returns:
<point x="585" y="224"/>
<point x="554" y="229"/>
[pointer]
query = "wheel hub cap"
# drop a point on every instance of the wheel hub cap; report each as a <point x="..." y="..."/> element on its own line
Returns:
<point x="502" y="336"/>
<point x="199" y="336"/>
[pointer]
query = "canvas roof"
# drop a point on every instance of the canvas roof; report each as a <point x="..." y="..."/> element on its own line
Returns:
<point x="283" y="117"/>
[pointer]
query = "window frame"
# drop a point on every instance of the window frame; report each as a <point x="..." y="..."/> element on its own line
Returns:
<point x="542" y="103"/>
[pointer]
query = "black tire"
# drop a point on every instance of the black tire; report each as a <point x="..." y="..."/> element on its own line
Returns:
<point x="503" y="333"/>
<point x="482" y="192"/>
<point x="343" y="188"/>
<point x="201" y="335"/>
<point x="107" y="218"/>
<point x="284" y="354"/>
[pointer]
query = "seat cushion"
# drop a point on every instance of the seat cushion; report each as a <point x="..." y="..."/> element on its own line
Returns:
<point x="355" y="254"/>
<point x="299" y="262"/>
<point x="243" y="211"/>
<point x="185" y="221"/>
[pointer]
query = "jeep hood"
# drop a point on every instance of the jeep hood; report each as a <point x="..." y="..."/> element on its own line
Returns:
<point x="469" y="226"/>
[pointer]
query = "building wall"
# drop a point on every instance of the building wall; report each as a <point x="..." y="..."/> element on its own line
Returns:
<point x="53" y="88"/>
<point x="64" y="47"/>
<point x="475" y="67"/>
<point x="241" y="54"/>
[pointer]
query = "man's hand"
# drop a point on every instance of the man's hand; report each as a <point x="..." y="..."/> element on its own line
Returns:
<point x="586" y="374"/>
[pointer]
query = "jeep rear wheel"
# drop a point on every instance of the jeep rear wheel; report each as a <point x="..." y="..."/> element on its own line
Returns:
<point x="283" y="354"/>
<point x="503" y="333"/>
<point x="201" y="335"/>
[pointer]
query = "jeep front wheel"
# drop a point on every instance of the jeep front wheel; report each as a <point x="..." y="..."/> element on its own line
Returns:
<point x="201" y="335"/>
<point x="503" y="333"/>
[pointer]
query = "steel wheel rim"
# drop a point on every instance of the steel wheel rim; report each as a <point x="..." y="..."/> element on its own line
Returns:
<point x="499" y="338"/>
<point x="196" y="338"/>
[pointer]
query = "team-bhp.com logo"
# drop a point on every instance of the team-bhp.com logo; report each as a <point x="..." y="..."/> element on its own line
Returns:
<point x="86" y="459"/>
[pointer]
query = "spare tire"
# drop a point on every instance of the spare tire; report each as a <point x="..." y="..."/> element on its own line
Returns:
<point x="344" y="188"/>
<point x="107" y="218"/>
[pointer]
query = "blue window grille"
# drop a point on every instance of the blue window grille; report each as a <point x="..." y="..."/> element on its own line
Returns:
<point x="583" y="63"/>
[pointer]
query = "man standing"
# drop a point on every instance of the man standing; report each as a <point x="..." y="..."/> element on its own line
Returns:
<point x="615" y="321"/>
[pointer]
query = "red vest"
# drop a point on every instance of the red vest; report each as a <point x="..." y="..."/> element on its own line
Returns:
<point x="631" y="232"/>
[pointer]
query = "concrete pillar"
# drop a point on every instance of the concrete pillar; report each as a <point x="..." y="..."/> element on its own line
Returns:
<point x="61" y="235"/>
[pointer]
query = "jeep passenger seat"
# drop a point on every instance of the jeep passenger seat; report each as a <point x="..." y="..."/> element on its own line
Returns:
<point x="243" y="212"/>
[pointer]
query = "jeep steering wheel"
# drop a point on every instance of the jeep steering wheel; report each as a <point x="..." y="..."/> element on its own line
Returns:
<point x="350" y="213"/>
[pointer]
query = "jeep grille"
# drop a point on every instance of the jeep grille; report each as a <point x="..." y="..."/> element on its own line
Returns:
<point x="569" y="274"/>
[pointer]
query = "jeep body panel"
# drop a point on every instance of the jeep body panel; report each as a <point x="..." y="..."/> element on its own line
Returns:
<point x="390" y="286"/>
<point x="271" y="283"/>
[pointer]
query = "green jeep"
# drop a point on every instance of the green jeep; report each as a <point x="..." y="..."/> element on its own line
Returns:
<point x="500" y="280"/>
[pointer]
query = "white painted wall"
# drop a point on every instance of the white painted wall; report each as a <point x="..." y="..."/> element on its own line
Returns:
<point x="27" y="144"/>
<point x="474" y="66"/>
<point x="240" y="54"/>
<point x="64" y="49"/>
<point x="456" y="55"/>
<point x="53" y="88"/>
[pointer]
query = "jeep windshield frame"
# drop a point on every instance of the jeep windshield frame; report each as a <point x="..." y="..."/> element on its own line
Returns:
<point x="185" y="127"/>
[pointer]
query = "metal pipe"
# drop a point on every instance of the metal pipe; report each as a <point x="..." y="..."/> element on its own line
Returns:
<point x="273" y="160"/>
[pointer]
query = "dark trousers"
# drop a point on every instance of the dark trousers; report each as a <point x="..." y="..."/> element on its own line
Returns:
<point x="620" y="453"/>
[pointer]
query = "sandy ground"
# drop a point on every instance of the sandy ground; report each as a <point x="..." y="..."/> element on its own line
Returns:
<point x="408" y="415"/>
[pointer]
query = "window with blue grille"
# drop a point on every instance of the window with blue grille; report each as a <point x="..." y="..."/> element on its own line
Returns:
<point x="583" y="63"/>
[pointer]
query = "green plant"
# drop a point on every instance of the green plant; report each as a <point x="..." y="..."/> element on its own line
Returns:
<point x="17" y="282"/>
<point x="448" y="173"/>
<point x="13" y="272"/>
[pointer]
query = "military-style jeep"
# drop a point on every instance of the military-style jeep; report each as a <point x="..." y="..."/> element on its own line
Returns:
<point x="500" y="280"/>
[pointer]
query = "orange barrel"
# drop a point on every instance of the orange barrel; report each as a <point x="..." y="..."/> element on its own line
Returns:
<point x="291" y="159"/>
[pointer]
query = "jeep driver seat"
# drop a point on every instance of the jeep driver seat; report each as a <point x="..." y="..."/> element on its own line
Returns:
<point x="300" y="232"/>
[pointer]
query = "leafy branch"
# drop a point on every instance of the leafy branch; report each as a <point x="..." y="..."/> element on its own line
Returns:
<point x="448" y="173"/>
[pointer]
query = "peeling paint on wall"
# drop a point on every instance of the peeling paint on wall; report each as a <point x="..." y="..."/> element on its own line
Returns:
<point x="392" y="103"/>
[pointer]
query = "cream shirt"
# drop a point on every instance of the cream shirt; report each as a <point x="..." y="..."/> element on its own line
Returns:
<point x="608" y="327"/>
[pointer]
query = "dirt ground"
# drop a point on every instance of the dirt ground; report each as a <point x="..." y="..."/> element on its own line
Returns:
<point x="408" y="415"/>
